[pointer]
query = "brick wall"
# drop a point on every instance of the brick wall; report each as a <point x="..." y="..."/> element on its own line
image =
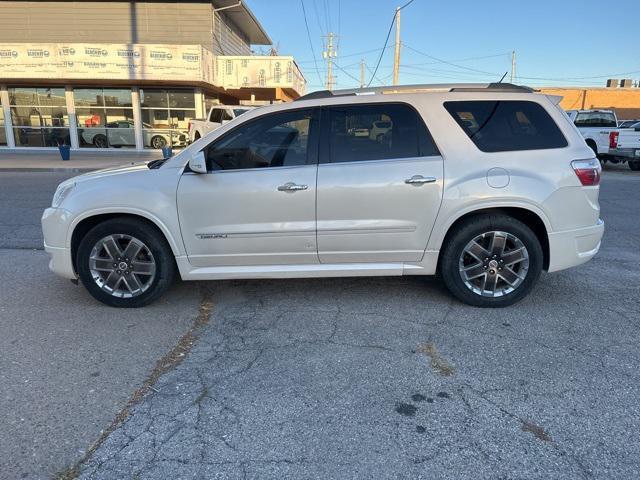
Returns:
<point x="625" y="101"/>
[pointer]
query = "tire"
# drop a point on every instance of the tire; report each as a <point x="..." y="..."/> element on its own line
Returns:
<point x="634" y="165"/>
<point x="102" y="256"/>
<point x="158" y="142"/>
<point x="456" y="262"/>
<point x="196" y="136"/>
<point x="100" y="141"/>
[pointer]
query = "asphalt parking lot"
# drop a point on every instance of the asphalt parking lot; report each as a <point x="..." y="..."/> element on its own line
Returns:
<point x="328" y="378"/>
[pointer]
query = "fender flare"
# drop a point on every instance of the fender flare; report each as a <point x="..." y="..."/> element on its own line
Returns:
<point x="440" y="231"/>
<point x="176" y="247"/>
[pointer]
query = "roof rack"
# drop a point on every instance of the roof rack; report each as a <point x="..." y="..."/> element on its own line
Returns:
<point x="420" y="88"/>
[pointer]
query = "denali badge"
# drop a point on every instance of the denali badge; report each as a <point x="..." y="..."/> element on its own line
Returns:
<point x="205" y="236"/>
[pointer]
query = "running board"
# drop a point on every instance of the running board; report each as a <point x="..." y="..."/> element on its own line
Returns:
<point x="188" y="272"/>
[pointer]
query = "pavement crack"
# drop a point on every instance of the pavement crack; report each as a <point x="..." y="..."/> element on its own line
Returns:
<point x="168" y="362"/>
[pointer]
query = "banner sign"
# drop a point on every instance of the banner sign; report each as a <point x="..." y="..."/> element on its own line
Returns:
<point x="106" y="62"/>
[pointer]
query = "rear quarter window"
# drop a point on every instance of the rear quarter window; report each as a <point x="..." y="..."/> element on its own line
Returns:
<point x="507" y="125"/>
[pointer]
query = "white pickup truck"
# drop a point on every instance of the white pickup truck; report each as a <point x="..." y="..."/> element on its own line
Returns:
<point x="610" y="143"/>
<point x="218" y="115"/>
<point x="625" y="145"/>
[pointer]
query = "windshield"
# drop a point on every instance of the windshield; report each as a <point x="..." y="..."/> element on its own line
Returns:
<point x="596" y="119"/>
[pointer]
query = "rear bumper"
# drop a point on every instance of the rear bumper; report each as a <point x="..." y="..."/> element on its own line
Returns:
<point x="574" y="247"/>
<point x="628" y="153"/>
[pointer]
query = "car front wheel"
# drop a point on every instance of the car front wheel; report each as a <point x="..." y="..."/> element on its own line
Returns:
<point x="491" y="261"/>
<point x="125" y="263"/>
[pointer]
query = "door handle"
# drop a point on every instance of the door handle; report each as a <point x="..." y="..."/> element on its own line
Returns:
<point x="419" y="180"/>
<point x="291" y="187"/>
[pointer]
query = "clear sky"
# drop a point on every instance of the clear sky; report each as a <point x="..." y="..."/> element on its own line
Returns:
<point x="557" y="42"/>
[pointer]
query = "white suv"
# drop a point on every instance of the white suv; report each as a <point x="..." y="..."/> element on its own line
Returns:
<point x="486" y="185"/>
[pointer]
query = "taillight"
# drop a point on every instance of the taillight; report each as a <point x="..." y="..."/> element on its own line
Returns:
<point x="190" y="125"/>
<point x="588" y="171"/>
<point x="613" y="139"/>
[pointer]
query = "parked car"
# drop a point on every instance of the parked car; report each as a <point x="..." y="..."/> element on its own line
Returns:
<point x="628" y="123"/>
<point x="286" y="191"/>
<point x="609" y="142"/>
<point x="596" y="127"/>
<point x="358" y="132"/>
<point x="218" y="115"/>
<point x="625" y="146"/>
<point x="121" y="133"/>
<point x="379" y="129"/>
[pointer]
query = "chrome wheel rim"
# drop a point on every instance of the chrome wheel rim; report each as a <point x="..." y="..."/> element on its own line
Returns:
<point x="122" y="265"/>
<point x="158" y="142"/>
<point x="494" y="264"/>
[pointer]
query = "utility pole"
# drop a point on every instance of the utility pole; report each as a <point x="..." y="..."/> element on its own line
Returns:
<point x="513" y="66"/>
<point x="396" y="56"/>
<point x="362" y="79"/>
<point x="328" y="55"/>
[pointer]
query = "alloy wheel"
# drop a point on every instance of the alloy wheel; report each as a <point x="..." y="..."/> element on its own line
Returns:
<point x="494" y="264"/>
<point x="122" y="266"/>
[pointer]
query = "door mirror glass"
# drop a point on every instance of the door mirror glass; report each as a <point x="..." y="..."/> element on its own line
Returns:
<point x="198" y="163"/>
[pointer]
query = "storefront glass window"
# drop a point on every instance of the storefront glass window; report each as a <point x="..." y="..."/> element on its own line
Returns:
<point x="39" y="116"/>
<point x="3" y="134"/>
<point x="104" y="117"/>
<point x="165" y="116"/>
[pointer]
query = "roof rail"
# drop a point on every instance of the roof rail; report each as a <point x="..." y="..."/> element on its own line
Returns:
<point x="420" y="88"/>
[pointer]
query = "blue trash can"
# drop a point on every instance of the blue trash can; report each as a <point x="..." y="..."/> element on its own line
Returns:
<point x="65" y="151"/>
<point x="167" y="152"/>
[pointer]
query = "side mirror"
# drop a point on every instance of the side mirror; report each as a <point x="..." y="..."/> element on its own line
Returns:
<point x="198" y="163"/>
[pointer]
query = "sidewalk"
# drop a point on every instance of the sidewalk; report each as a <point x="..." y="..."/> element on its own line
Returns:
<point x="80" y="161"/>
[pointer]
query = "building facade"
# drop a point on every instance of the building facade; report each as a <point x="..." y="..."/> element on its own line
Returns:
<point x="624" y="100"/>
<point x="129" y="75"/>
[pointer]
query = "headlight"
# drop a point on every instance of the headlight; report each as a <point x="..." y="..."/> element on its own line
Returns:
<point x="61" y="194"/>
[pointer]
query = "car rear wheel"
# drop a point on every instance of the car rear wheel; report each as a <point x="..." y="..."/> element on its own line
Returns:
<point x="634" y="165"/>
<point x="491" y="261"/>
<point x="100" y="141"/>
<point x="125" y="263"/>
<point x="158" y="142"/>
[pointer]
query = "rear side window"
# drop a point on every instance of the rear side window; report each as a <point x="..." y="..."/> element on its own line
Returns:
<point x="596" y="120"/>
<point x="216" y="115"/>
<point x="502" y="126"/>
<point x="359" y="133"/>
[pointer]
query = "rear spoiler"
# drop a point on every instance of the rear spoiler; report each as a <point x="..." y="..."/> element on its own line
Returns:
<point x="555" y="99"/>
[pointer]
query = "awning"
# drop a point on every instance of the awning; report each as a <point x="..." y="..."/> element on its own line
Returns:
<point x="245" y="20"/>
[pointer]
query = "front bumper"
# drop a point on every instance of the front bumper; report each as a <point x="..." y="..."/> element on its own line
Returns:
<point x="574" y="247"/>
<point x="627" y="153"/>
<point x="55" y="225"/>
<point x="60" y="262"/>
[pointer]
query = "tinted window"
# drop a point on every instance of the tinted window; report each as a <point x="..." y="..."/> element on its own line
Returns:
<point x="216" y="115"/>
<point x="596" y="119"/>
<point x="500" y="126"/>
<point x="377" y="132"/>
<point x="226" y="115"/>
<point x="279" y="140"/>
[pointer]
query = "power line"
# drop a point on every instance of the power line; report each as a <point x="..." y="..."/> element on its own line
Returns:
<point x="304" y="12"/>
<point x="327" y="16"/>
<point x="386" y="41"/>
<point x="439" y="60"/>
<point x="315" y="8"/>
<point x="345" y="72"/>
